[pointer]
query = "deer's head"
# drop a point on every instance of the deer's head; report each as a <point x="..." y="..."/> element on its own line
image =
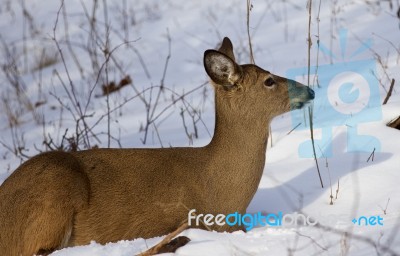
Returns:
<point x="251" y="89"/>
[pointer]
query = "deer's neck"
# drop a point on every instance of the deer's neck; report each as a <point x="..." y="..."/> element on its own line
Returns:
<point x="239" y="137"/>
<point x="237" y="152"/>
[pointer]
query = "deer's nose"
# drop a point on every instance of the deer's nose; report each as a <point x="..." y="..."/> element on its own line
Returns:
<point x="311" y="93"/>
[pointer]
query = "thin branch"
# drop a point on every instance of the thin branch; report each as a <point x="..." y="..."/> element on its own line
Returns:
<point x="389" y="92"/>
<point x="371" y="156"/>
<point x="156" y="249"/>
<point x="337" y="189"/>
<point x="249" y="7"/>
<point x="310" y="108"/>
<point x="293" y="129"/>
<point x="313" y="240"/>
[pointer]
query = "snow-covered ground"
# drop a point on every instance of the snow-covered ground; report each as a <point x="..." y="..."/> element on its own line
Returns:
<point x="356" y="38"/>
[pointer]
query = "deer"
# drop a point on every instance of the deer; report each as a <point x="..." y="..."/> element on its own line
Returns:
<point x="62" y="199"/>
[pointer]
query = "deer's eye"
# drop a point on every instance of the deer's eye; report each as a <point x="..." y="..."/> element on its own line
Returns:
<point x="269" y="82"/>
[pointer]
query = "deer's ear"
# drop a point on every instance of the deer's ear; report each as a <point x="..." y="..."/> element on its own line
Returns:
<point x="221" y="69"/>
<point x="227" y="48"/>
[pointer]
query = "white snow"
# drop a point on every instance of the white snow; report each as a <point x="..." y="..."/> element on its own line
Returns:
<point x="279" y="35"/>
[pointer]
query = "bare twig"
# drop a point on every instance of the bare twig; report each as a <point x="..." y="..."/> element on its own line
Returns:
<point x="68" y="41"/>
<point x="385" y="210"/>
<point x="156" y="249"/>
<point x="249" y="7"/>
<point x="389" y="93"/>
<point x="395" y="123"/>
<point x="386" y="250"/>
<point x="313" y="240"/>
<point x="372" y="155"/>
<point x="315" y="80"/>
<point x="337" y="189"/>
<point x="310" y="108"/>
<point x="293" y="129"/>
<point x="152" y="106"/>
<point x="330" y="181"/>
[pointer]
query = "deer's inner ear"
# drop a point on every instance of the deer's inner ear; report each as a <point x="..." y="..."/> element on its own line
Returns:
<point x="221" y="69"/>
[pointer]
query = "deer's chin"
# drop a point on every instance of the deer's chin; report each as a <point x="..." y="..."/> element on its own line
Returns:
<point x="299" y="105"/>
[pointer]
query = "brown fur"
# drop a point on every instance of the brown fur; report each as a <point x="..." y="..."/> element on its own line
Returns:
<point x="61" y="199"/>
